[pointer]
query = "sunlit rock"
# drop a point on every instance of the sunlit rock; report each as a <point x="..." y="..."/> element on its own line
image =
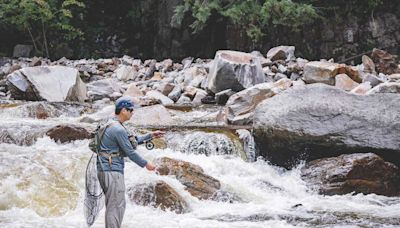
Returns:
<point x="388" y="87"/>
<point x="50" y="83"/>
<point x="281" y="53"/>
<point x="322" y="72"/>
<point x="342" y="81"/>
<point x="197" y="183"/>
<point x="159" y="195"/>
<point x="234" y="70"/>
<point x="151" y="115"/>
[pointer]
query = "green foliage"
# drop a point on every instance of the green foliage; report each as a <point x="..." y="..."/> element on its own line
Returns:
<point x="257" y="17"/>
<point x="43" y="19"/>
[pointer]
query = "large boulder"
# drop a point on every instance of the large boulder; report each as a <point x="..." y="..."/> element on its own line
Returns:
<point x="320" y="72"/>
<point x="234" y="70"/>
<point x="360" y="173"/>
<point x="50" y="83"/>
<point x="317" y="121"/>
<point x="240" y="107"/>
<point x="197" y="183"/>
<point x="159" y="195"/>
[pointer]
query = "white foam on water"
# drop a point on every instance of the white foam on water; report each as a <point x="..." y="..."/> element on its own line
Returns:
<point x="42" y="185"/>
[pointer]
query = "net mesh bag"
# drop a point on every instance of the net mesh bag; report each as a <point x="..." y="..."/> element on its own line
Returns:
<point x="94" y="201"/>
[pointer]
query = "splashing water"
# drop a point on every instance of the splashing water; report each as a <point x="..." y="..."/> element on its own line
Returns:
<point x="43" y="185"/>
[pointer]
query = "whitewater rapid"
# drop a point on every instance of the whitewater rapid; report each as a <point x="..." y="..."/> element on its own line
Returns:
<point x="42" y="185"/>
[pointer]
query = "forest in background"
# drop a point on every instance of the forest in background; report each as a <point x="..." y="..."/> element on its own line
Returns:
<point x="180" y="28"/>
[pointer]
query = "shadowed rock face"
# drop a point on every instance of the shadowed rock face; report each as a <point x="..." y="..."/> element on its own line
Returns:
<point x="360" y="173"/>
<point x="319" y="121"/>
<point x="200" y="185"/>
<point x="158" y="194"/>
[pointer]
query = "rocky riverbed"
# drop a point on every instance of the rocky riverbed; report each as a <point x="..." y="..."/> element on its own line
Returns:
<point x="269" y="120"/>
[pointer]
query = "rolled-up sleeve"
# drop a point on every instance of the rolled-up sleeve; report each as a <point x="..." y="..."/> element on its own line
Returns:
<point x="126" y="146"/>
<point x="144" y="138"/>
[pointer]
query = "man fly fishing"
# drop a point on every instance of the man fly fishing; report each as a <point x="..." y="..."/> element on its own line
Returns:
<point x="114" y="143"/>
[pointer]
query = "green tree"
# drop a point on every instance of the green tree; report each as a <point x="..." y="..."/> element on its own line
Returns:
<point x="46" y="21"/>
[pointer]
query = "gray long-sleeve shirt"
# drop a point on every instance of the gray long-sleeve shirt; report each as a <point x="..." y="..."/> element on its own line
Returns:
<point x="116" y="140"/>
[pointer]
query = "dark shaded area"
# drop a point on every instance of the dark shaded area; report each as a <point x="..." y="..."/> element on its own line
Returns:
<point x="143" y="29"/>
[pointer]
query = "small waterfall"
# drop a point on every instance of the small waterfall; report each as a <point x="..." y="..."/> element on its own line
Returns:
<point x="207" y="143"/>
<point x="248" y="144"/>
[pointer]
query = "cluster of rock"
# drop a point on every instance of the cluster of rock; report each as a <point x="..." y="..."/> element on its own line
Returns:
<point x="196" y="182"/>
<point x="347" y="109"/>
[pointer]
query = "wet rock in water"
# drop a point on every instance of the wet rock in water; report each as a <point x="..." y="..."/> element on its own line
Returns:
<point x="362" y="88"/>
<point x="281" y="53"/>
<point x="151" y="115"/>
<point x="50" y="83"/>
<point x="240" y="107"/>
<point x="234" y="70"/>
<point x="226" y="197"/>
<point x="159" y="195"/>
<point x="106" y="88"/>
<point x="68" y="133"/>
<point x="342" y="81"/>
<point x="360" y="173"/>
<point x="388" y="87"/>
<point x="317" y="121"/>
<point x="320" y="72"/>
<point x="385" y="62"/>
<point x="197" y="183"/>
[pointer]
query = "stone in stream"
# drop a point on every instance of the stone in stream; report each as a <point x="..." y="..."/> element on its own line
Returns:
<point x="197" y="183"/>
<point x="234" y="70"/>
<point x="359" y="173"/>
<point x="240" y="107"/>
<point x="317" y="121"/>
<point x="159" y="195"/>
<point x="50" y="83"/>
<point x="68" y="133"/>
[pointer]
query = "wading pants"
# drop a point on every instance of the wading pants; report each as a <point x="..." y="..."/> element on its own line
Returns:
<point x="113" y="186"/>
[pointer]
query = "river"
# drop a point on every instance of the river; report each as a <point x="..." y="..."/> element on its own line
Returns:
<point x="42" y="185"/>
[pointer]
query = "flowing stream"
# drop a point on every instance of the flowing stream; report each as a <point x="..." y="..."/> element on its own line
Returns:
<point x="42" y="185"/>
